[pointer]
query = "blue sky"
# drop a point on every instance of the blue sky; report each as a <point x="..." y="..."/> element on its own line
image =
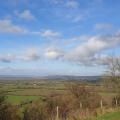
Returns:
<point x="58" y="37"/>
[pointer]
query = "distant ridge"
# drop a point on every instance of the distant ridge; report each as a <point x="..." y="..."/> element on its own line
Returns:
<point x="53" y="77"/>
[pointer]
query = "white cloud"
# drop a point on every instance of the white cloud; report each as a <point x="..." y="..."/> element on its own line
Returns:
<point x="7" y="58"/>
<point x="53" y="53"/>
<point x="50" y="34"/>
<point x="89" y="50"/>
<point x="67" y="4"/>
<point x="30" y="55"/>
<point x="101" y="59"/>
<point x="6" y="26"/>
<point x="72" y="4"/>
<point x="75" y="17"/>
<point x="85" y="53"/>
<point x="103" y="26"/>
<point x="26" y="14"/>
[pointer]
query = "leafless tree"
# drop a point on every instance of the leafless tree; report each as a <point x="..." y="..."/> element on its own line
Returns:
<point x="112" y="75"/>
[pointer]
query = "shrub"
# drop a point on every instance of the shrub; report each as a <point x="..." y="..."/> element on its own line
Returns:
<point x="84" y="96"/>
<point x="63" y="104"/>
<point x="114" y="100"/>
<point x="36" y="111"/>
<point x="7" y="111"/>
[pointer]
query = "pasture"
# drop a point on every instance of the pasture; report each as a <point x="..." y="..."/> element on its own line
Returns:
<point x="14" y="99"/>
<point x="20" y="91"/>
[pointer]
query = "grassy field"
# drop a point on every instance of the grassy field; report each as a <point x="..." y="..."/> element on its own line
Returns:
<point x="109" y="116"/>
<point x="19" y="91"/>
<point x="18" y="99"/>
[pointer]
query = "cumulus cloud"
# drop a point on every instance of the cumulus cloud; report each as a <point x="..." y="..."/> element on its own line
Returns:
<point x="7" y="58"/>
<point x="85" y="53"/>
<point x="50" y="34"/>
<point x="26" y="14"/>
<point x="31" y="55"/>
<point x="6" y="26"/>
<point x="89" y="51"/>
<point x="101" y="59"/>
<point x="53" y="53"/>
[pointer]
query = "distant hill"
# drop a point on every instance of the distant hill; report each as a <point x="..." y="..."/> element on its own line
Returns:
<point x="54" y="77"/>
<point x="92" y="79"/>
<point x="67" y="77"/>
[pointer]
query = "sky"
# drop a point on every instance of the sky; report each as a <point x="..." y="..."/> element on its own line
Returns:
<point x="58" y="37"/>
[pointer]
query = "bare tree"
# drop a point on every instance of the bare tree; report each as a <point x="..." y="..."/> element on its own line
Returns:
<point x="112" y="76"/>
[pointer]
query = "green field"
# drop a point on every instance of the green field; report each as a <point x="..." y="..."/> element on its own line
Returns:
<point x="18" y="99"/>
<point x="22" y="91"/>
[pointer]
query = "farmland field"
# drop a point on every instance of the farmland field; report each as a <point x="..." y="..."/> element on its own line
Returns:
<point x="23" y="93"/>
<point x="18" y="99"/>
<point x="20" y="91"/>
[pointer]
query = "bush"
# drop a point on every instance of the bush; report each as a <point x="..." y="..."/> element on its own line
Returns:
<point x="63" y="104"/>
<point x="114" y="100"/>
<point x="7" y="111"/>
<point x="84" y="96"/>
<point x="36" y="111"/>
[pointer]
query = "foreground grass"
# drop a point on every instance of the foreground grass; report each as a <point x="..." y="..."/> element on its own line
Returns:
<point x="109" y="116"/>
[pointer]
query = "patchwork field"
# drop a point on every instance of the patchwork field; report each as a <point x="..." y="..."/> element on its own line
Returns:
<point x="22" y="93"/>
<point x="24" y="90"/>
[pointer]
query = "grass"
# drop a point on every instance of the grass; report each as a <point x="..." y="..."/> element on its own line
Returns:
<point x="108" y="116"/>
<point x="18" y="99"/>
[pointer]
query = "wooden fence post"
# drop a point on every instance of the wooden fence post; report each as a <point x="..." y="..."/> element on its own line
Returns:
<point x="57" y="112"/>
<point x="101" y="104"/>
<point x="116" y="102"/>
<point x="80" y="105"/>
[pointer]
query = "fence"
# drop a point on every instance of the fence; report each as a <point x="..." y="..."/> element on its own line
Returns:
<point x="85" y="112"/>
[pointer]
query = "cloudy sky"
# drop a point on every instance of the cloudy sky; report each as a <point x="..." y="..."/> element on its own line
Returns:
<point x="58" y="37"/>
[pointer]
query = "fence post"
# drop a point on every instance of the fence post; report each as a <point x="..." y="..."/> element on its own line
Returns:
<point x="57" y="112"/>
<point x="101" y="104"/>
<point x="116" y="102"/>
<point x="80" y="105"/>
